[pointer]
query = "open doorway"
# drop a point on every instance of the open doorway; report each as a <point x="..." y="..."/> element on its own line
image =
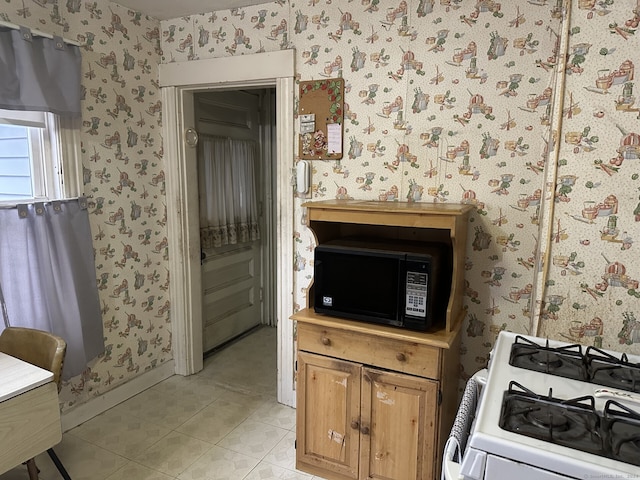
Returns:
<point x="179" y="82"/>
<point x="236" y="160"/>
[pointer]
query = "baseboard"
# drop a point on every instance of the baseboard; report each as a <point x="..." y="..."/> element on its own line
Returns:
<point x="86" y="411"/>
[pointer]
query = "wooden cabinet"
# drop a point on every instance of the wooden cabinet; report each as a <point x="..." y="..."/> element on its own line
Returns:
<point x="374" y="401"/>
<point x="398" y="422"/>
<point x="362" y="422"/>
<point x="329" y="437"/>
<point x="378" y="424"/>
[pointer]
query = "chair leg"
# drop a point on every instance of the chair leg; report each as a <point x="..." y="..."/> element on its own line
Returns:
<point x="58" y="463"/>
<point x="32" y="469"/>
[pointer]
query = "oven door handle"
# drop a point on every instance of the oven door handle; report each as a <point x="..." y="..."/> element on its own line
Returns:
<point x="462" y="425"/>
<point x="450" y="468"/>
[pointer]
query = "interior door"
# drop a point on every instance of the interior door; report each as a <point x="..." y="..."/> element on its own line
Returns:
<point x="231" y="276"/>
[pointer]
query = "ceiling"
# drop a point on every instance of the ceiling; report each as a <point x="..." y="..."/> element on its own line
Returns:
<point x="168" y="9"/>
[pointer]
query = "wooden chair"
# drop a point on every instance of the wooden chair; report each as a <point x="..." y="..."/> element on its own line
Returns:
<point x="44" y="350"/>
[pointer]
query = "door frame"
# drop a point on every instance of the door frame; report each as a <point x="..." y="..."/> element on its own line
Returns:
<point x="178" y="82"/>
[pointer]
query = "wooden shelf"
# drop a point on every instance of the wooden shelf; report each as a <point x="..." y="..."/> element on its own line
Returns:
<point x="436" y="337"/>
<point x="425" y="222"/>
<point x="387" y="395"/>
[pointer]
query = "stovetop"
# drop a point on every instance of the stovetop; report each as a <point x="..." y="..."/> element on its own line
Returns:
<point x="593" y="366"/>
<point x="568" y="409"/>
<point x="573" y="423"/>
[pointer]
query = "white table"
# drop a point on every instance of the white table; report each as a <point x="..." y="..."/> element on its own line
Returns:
<point x="29" y="412"/>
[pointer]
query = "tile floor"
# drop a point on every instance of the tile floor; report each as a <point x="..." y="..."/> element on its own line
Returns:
<point x="223" y="423"/>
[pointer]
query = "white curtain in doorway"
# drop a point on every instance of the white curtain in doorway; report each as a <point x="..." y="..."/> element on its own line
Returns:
<point x="227" y="188"/>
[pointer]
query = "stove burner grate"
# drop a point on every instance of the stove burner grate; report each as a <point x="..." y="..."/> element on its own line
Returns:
<point x="594" y="366"/>
<point x="546" y="359"/>
<point x="624" y="427"/>
<point x="564" y="361"/>
<point x="605" y="369"/>
<point x="548" y="420"/>
<point x="573" y="423"/>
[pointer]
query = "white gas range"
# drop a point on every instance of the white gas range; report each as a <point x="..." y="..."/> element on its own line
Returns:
<point x="551" y="411"/>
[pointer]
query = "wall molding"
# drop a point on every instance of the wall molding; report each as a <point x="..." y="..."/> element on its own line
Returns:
<point x="179" y="82"/>
<point x="86" y="411"/>
<point x="247" y="69"/>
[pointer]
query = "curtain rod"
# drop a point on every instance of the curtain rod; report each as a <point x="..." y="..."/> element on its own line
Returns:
<point x="38" y="33"/>
<point x="8" y="206"/>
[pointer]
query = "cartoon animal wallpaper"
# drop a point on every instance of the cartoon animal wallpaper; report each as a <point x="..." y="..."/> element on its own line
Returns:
<point x="527" y="109"/>
<point x="124" y="180"/>
<point x="524" y="109"/>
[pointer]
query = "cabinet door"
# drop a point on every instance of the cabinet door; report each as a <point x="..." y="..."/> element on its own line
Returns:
<point x="327" y="416"/>
<point x="398" y="426"/>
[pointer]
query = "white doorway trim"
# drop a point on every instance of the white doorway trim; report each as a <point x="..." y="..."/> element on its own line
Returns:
<point x="179" y="81"/>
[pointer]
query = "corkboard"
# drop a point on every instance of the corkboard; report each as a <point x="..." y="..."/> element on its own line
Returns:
<point x="324" y="99"/>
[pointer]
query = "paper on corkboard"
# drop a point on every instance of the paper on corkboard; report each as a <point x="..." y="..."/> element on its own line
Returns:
<point x="324" y="99"/>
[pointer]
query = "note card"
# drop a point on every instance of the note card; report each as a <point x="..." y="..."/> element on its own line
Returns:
<point x="334" y="140"/>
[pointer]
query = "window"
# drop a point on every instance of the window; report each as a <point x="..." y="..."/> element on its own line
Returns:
<point x="39" y="157"/>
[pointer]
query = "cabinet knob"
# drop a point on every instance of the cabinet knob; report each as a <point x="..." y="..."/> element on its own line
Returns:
<point x="364" y="430"/>
<point x="326" y="341"/>
<point x="354" y="424"/>
<point x="401" y="357"/>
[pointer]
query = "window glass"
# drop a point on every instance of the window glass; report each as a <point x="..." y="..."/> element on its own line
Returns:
<point x="15" y="163"/>
<point x="34" y="148"/>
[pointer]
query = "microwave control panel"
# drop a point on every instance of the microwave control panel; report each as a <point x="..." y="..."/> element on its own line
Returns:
<point x="416" y="297"/>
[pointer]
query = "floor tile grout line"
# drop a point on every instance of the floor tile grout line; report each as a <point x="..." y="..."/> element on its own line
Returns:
<point x="263" y="395"/>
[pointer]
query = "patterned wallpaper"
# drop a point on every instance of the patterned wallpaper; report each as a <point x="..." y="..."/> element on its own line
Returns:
<point x="123" y="177"/>
<point x="592" y="289"/>
<point x="446" y="101"/>
<point x="469" y="101"/>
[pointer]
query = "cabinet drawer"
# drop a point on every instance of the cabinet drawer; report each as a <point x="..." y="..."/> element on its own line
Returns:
<point x="398" y="355"/>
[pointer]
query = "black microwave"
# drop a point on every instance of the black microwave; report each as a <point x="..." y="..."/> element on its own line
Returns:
<point x="403" y="284"/>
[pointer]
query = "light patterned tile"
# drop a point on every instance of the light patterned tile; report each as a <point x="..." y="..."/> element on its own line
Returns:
<point x="193" y="386"/>
<point x="120" y="433"/>
<point x="169" y="429"/>
<point x="266" y="471"/>
<point x="135" y="471"/>
<point x="284" y="453"/>
<point x="173" y="454"/>
<point x="246" y="386"/>
<point x="248" y="365"/>
<point x="219" y="464"/>
<point x="248" y="401"/>
<point x="253" y="438"/>
<point x="168" y="410"/>
<point x="83" y="460"/>
<point x="275" y="414"/>
<point x="214" y="422"/>
<point x="243" y="379"/>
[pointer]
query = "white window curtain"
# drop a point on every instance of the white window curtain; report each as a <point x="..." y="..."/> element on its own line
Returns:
<point x="48" y="279"/>
<point x="38" y="73"/>
<point x="227" y="186"/>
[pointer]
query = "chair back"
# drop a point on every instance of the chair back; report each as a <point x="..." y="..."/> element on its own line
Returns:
<point x="37" y="347"/>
